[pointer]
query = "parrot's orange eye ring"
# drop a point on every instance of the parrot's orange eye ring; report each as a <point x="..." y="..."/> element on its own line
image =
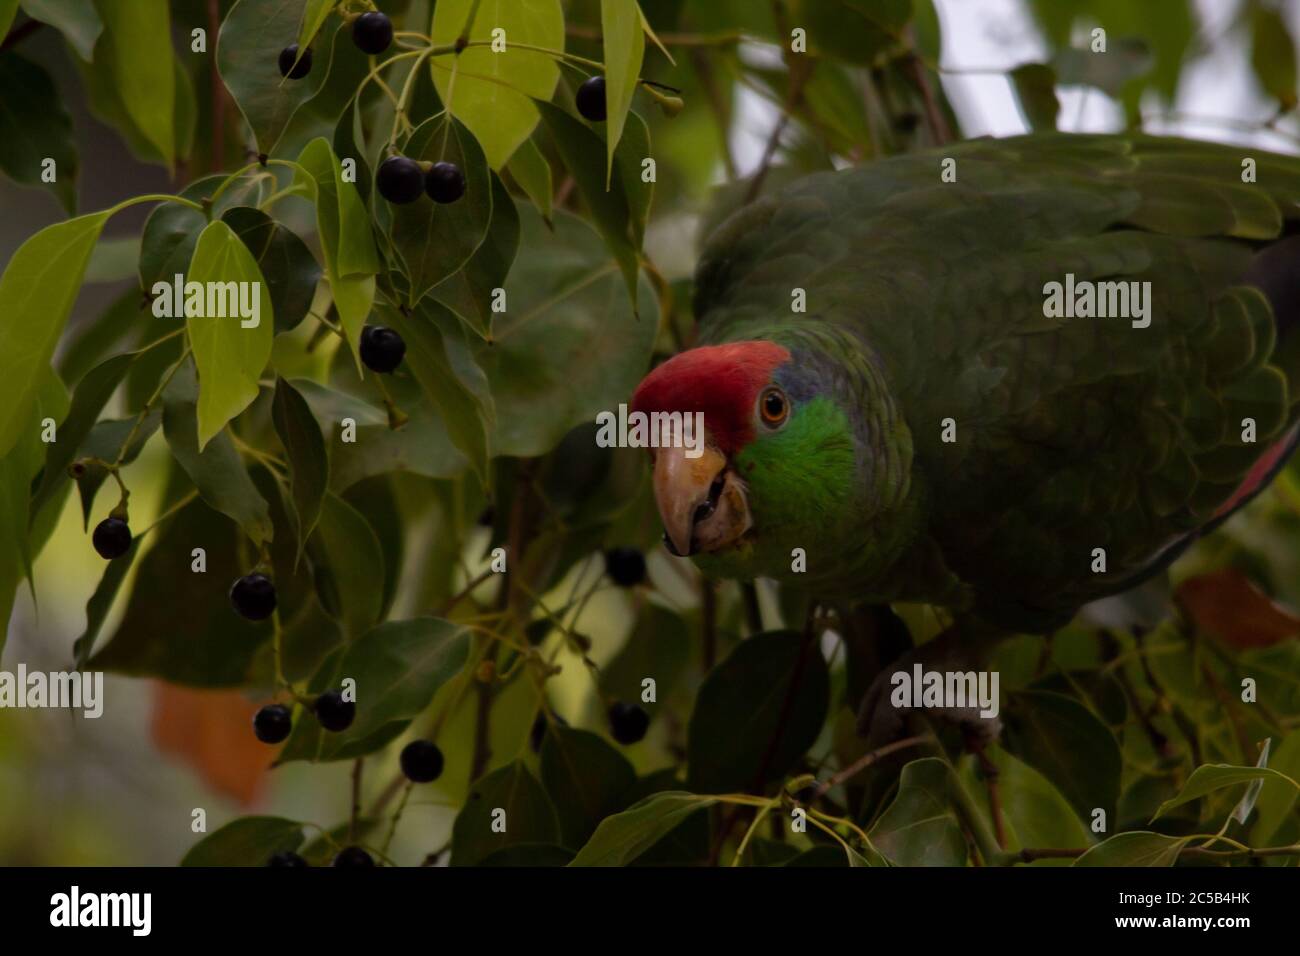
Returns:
<point x="773" y="407"/>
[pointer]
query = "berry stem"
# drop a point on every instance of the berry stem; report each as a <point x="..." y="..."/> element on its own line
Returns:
<point x="397" y="815"/>
<point x="400" y="112"/>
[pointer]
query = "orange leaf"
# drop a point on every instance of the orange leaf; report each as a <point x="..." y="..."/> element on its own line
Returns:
<point x="1226" y="606"/>
<point x="212" y="731"/>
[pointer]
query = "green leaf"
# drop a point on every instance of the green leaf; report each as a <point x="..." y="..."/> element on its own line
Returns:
<point x="1035" y="86"/>
<point x="77" y="20"/>
<point x="34" y="127"/>
<point x="622" y="838"/>
<point x="248" y="51"/>
<point x="140" y="44"/>
<point x="217" y="471"/>
<point x="88" y="400"/>
<point x="612" y="208"/>
<point x="351" y="261"/>
<point x="529" y="815"/>
<point x="1138" y="848"/>
<point x="101" y="602"/>
<point x="38" y="288"/>
<point x="309" y="466"/>
<point x="19" y="538"/>
<point x="1034" y="813"/>
<point x="172" y="231"/>
<point x="8" y="10"/>
<point x="248" y="841"/>
<point x="920" y="827"/>
<point x="187" y="632"/>
<point x="853" y="30"/>
<point x="314" y="15"/>
<point x="469" y="292"/>
<point x="1272" y="54"/>
<point x="568" y="345"/>
<point x="1068" y="744"/>
<point x="533" y="174"/>
<point x="349" y="566"/>
<point x="230" y="351"/>
<point x="748" y="727"/>
<point x="586" y="778"/>
<point x="398" y="667"/>
<point x="434" y="240"/>
<point x="439" y="357"/>
<point x="624" y="39"/>
<point x="492" y="90"/>
<point x="287" y="265"/>
<point x="113" y="259"/>
<point x="1211" y="777"/>
<point x="1277" y="798"/>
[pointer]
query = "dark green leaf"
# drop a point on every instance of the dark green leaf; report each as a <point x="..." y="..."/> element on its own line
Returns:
<point x="469" y="292"/>
<point x="1272" y="54"/>
<point x="853" y="30"/>
<point x="586" y="778"/>
<point x="1069" y="745"/>
<point x="920" y="828"/>
<point x="172" y="230"/>
<point x="659" y="647"/>
<point x="35" y="127"/>
<point x="528" y="854"/>
<point x="77" y="20"/>
<point x="1140" y="848"/>
<point x="290" y="270"/>
<point x="349" y="565"/>
<point x="757" y="713"/>
<point x="187" y="632"/>
<point x="398" y="667"/>
<point x="248" y="841"/>
<point x="101" y="602"/>
<point x="434" y="240"/>
<point x="309" y="467"/>
<point x="568" y="346"/>
<point x="217" y="471"/>
<point x="622" y="838"/>
<point x="1035" y="85"/>
<point x="105" y="442"/>
<point x="529" y="816"/>
<point x="1125" y="59"/>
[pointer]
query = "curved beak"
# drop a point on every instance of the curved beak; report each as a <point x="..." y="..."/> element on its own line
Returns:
<point x="700" y="500"/>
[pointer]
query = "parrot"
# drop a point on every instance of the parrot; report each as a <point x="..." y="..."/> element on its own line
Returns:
<point x="954" y="416"/>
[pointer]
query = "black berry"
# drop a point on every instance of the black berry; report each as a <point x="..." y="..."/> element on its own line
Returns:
<point x="111" y="538"/>
<point x="253" y="596"/>
<point x="287" y="858"/>
<point x="382" y="349"/>
<point x="400" y="180"/>
<point x="444" y="183"/>
<point x="628" y="722"/>
<point x="333" y="712"/>
<point x="591" y="99"/>
<point x="372" y="32"/>
<point x="353" y="856"/>
<point x="294" y="71"/>
<point x="421" y="761"/>
<point x="625" y="566"/>
<point x="272" y="723"/>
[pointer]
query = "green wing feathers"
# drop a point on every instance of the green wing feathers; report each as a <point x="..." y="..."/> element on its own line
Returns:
<point x="1071" y="433"/>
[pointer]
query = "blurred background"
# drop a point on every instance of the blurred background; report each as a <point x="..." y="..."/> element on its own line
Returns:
<point x="121" y="789"/>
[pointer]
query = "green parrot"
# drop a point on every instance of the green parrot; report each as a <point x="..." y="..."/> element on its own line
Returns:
<point x="958" y="416"/>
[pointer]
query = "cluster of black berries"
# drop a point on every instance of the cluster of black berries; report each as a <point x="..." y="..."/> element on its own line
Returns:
<point x="372" y="32"/>
<point x="272" y="723"/>
<point x="401" y="179"/>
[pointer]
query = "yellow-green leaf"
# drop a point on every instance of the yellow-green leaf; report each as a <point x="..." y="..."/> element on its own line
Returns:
<point x="624" y="50"/>
<point x="231" y="348"/>
<point x="38" y="288"/>
<point x="351" y="260"/>
<point x="314" y="16"/>
<point x="487" y="90"/>
<point x="139" y="36"/>
<point x="533" y="174"/>
<point x="7" y="10"/>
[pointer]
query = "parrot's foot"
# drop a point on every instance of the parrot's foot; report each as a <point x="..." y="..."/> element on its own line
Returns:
<point x="946" y="677"/>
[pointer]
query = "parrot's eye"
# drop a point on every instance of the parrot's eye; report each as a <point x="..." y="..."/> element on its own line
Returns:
<point x="773" y="407"/>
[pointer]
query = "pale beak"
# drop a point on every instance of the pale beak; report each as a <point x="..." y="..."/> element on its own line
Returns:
<point x="702" y="503"/>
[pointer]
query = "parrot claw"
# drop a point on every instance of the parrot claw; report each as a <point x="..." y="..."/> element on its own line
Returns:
<point x="957" y="657"/>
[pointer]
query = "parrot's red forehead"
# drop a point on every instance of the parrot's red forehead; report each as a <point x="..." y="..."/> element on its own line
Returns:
<point x="722" y="381"/>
